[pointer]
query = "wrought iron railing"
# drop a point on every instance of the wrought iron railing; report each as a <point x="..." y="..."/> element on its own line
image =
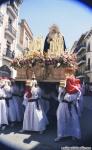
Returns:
<point x="80" y="73"/>
<point x="79" y="47"/>
<point x="11" y="29"/>
<point x="1" y="18"/>
<point x="87" y="68"/>
<point x="83" y="57"/>
<point x="9" y="54"/>
<point x="13" y="7"/>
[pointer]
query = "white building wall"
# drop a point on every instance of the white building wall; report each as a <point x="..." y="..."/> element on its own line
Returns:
<point x="24" y="37"/>
<point x="19" y="46"/>
<point x="2" y="30"/>
<point x="4" y="38"/>
<point x="89" y="55"/>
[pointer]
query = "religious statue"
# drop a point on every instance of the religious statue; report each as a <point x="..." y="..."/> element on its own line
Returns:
<point x="54" y="42"/>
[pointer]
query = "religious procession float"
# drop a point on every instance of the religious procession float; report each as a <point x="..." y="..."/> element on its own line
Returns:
<point x="47" y="61"/>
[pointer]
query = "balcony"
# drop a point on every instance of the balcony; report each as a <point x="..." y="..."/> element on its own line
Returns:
<point x="81" y="62"/>
<point x="9" y="30"/>
<point x="81" y="49"/>
<point x="81" y="59"/>
<point x="1" y="18"/>
<point x="87" y="69"/>
<point x="9" y="55"/>
<point x="12" y="9"/>
<point x="18" y="2"/>
<point x="80" y="74"/>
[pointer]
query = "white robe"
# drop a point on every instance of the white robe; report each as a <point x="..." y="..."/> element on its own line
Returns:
<point x="3" y="108"/>
<point x="17" y="103"/>
<point x="34" y="119"/>
<point x="44" y="103"/>
<point x="11" y="112"/>
<point x="25" y="101"/>
<point x="67" y="124"/>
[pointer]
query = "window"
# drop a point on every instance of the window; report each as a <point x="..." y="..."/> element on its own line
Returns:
<point x="0" y="49"/>
<point x="1" y="18"/>
<point x="88" y="63"/>
<point x="26" y="42"/>
<point x="88" y="48"/>
<point x="10" y="21"/>
<point x="8" y="45"/>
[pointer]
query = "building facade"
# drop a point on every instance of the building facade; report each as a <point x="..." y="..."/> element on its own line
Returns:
<point x="15" y="37"/>
<point x="88" y="69"/>
<point x="24" y="37"/>
<point x="83" y="49"/>
<point x="9" y="16"/>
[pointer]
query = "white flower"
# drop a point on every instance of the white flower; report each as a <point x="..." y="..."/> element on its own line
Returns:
<point x="58" y="64"/>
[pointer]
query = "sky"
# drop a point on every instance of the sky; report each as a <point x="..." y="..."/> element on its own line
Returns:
<point x="72" y="18"/>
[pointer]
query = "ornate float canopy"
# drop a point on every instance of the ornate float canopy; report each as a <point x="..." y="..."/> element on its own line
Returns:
<point x="32" y="58"/>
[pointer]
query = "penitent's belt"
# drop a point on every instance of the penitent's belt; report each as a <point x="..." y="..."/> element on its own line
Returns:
<point x="2" y="98"/>
<point x="70" y="105"/>
<point x="34" y="100"/>
<point x="7" y="100"/>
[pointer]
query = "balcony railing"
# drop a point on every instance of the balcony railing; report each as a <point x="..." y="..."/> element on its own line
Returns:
<point x="80" y="47"/>
<point x="10" y="54"/>
<point x="11" y="29"/>
<point x="1" y="18"/>
<point x="79" y="73"/>
<point x="87" y="68"/>
<point x="11" y="7"/>
<point x="83" y="57"/>
<point x="19" y="2"/>
<point x="14" y="8"/>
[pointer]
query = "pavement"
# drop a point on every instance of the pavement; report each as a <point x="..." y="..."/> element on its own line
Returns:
<point x="12" y="139"/>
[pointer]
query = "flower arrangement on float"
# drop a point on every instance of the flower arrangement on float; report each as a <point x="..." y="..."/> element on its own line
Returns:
<point x="33" y="58"/>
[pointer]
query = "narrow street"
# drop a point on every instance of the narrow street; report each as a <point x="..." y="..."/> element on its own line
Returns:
<point x="35" y="141"/>
<point x="45" y="58"/>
